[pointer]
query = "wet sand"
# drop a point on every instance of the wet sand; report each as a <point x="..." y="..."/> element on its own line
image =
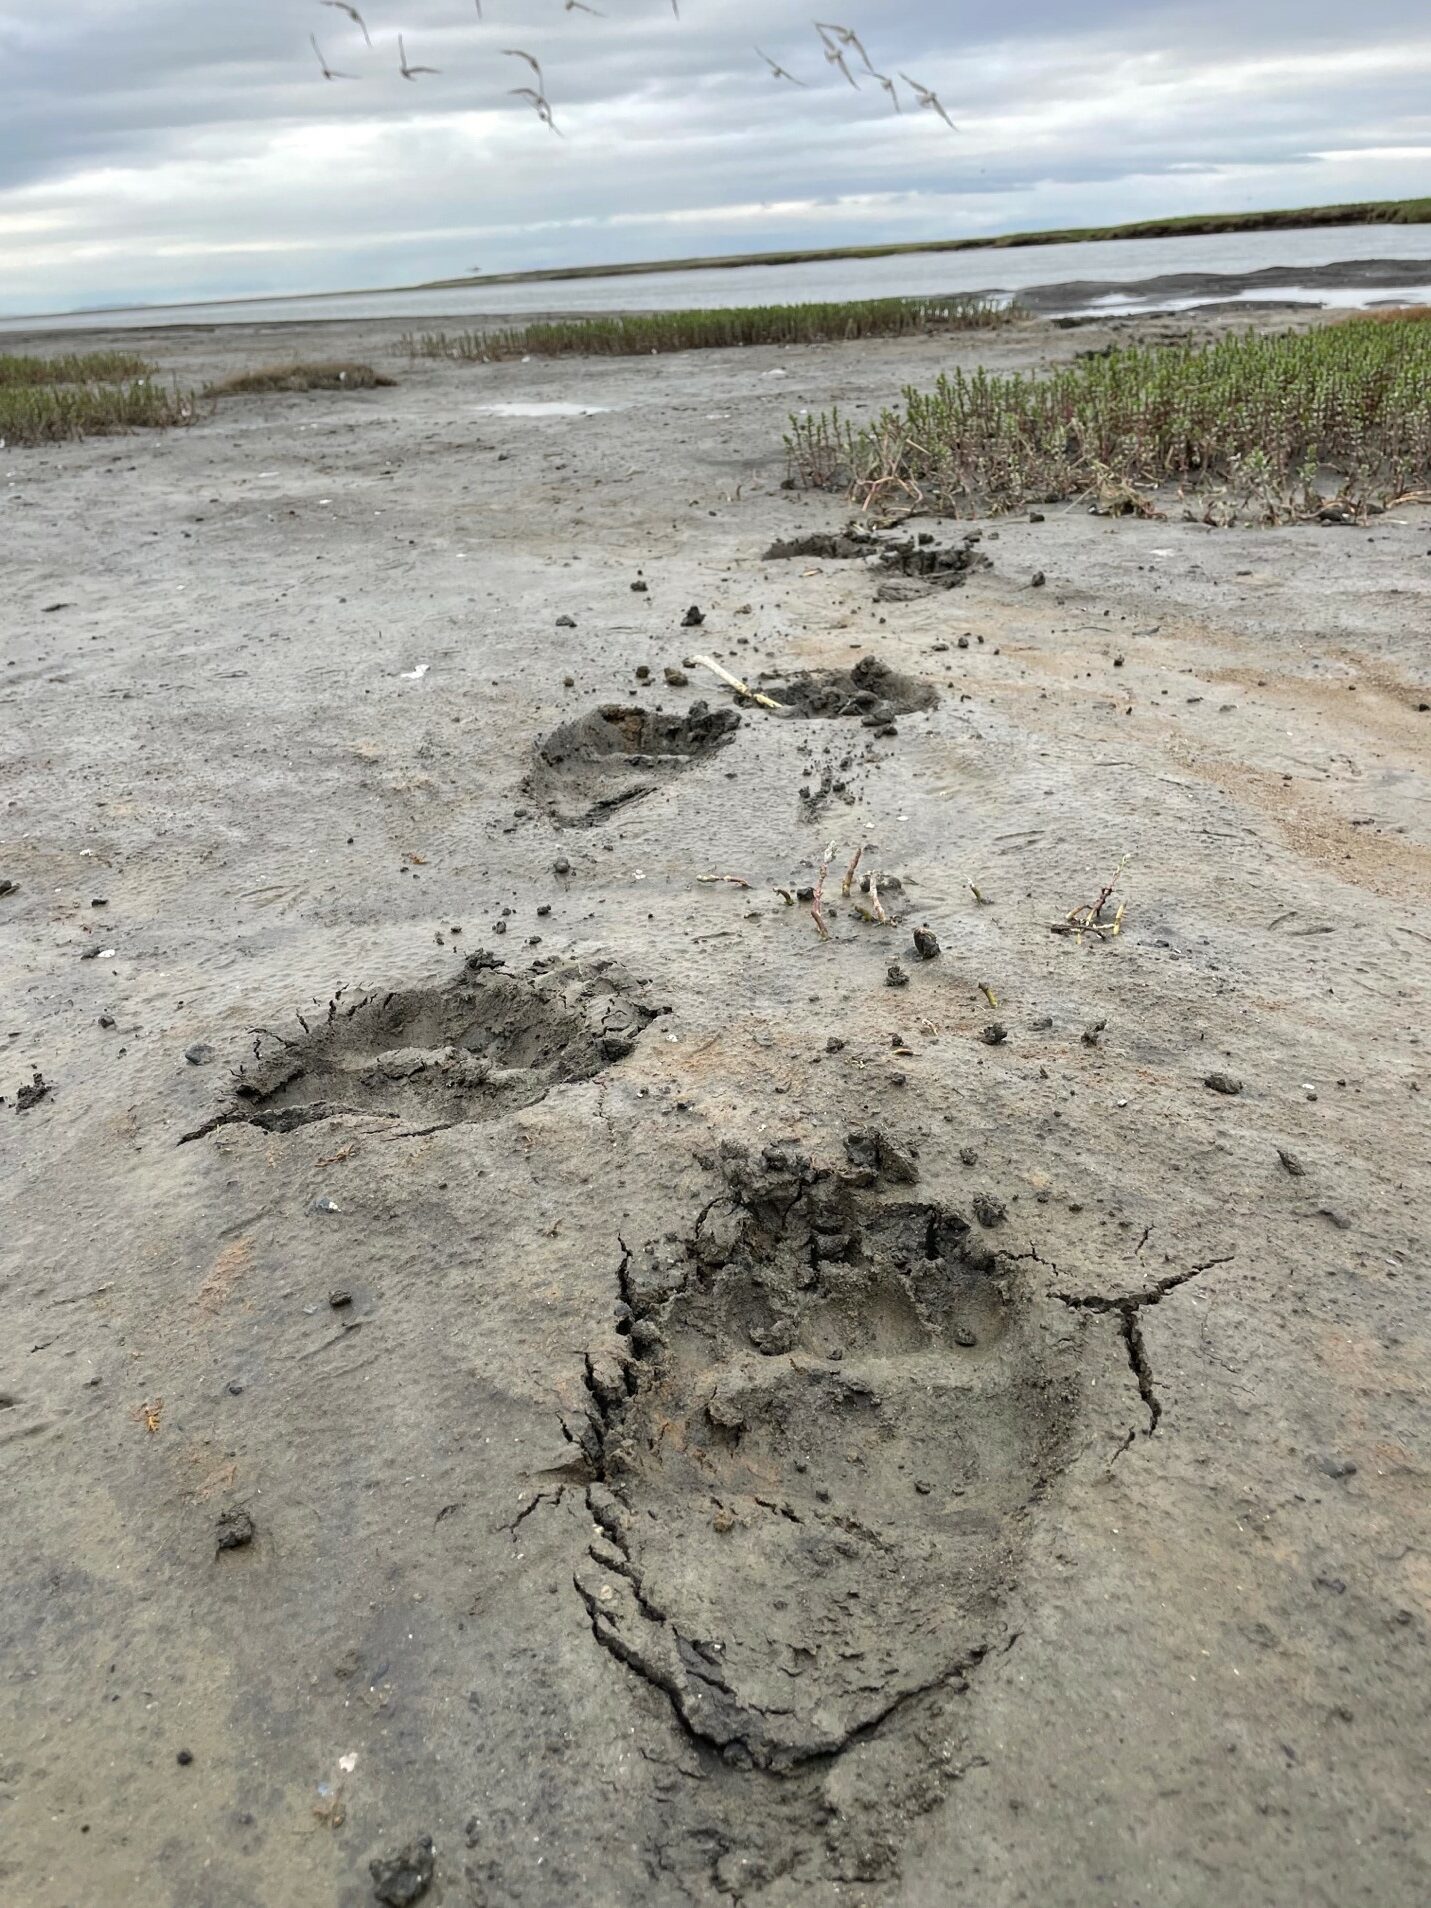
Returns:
<point x="615" y="1385"/>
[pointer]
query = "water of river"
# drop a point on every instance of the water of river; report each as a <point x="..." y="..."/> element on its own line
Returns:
<point x="1101" y="277"/>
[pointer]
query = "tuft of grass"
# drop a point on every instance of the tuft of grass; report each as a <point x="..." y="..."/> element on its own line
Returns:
<point x="85" y="367"/>
<point x="660" y="331"/>
<point x="1267" y="428"/>
<point x="54" y="413"/>
<point x="335" y="375"/>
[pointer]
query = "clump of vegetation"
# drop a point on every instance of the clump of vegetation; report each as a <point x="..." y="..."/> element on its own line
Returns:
<point x="335" y="375"/>
<point x="1333" y="421"/>
<point x="661" y="331"/>
<point x="74" y="367"/>
<point x="53" y="413"/>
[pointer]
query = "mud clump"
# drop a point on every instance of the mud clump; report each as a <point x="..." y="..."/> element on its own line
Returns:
<point x="815" y="1436"/>
<point x="872" y="691"/>
<point x="588" y="768"/>
<point x="943" y="565"/>
<point x="486" y="1044"/>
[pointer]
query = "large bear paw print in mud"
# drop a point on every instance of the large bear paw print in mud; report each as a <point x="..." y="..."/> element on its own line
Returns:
<point x="486" y="1044"/>
<point x="814" y="1454"/>
<point x="587" y="769"/>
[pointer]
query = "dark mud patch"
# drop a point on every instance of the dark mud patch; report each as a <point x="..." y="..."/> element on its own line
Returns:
<point x="922" y="557"/>
<point x="871" y="691"/>
<point x="587" y="769"/>
<point x="816" y="1435"/>
<point x="486" y="1044"/>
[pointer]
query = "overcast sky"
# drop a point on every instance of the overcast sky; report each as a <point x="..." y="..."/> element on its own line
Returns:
<point x="168" y="149"/>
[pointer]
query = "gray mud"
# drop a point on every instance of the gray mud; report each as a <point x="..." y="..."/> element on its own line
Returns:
<point x="832" y="1442"/>
<point x="585" y="770"/>
<point x="871" y="690"/>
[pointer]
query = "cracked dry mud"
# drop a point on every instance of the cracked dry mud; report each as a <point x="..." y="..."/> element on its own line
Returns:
<point x="814" y="1458"/>
<point x="584" y="771"/>
<point x="487" y="1044"/>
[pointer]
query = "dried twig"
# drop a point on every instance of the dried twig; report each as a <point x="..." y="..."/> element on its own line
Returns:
<point x="1089" y="918"/>
<point x="849" y="880"/>
<point x="736" y="881"/>
<point x="742" y="688"/>
<point x="816" y="915"/>
<point x="876" y="905"/>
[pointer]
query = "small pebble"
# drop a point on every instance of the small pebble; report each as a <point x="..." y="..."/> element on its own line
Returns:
<point x="200" y="1054"/>
<point x="1222" y="1083"/>
<point x="926" y="944"/>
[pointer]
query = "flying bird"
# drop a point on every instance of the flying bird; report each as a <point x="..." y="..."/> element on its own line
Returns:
<point x="328" y="72"/>
<point x="580" y="6"/>
<point x="929" y="99"/>
<point x="846" y="36"/>
<point x="516" y="53"/>
<point x="777" y="71"/>
<point x="539" y="103"/>
<point x="411" y="72"/>
<point x="889" y="86"/>
<point x="343" y="6"/>
<point x="836" y="57"/>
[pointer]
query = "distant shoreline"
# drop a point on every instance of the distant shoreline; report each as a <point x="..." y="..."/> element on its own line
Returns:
<point x="1194" y="225"/>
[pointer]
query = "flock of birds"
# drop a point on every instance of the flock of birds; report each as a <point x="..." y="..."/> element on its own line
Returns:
<point x="835" y="41"/>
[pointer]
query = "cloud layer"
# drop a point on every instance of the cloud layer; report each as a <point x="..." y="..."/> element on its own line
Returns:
<point x="170" y="149"/>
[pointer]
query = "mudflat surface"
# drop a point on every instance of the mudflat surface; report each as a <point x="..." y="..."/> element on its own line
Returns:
<point x="509" y="1342"/>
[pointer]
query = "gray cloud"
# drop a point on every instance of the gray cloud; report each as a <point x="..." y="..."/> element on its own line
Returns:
<point x="171" y="148"/>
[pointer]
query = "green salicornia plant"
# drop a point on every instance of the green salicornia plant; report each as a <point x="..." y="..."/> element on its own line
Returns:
<point x="1267" y="427"/>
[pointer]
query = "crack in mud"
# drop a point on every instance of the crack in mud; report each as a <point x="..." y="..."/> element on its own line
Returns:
<point x="1128" y="1305"/>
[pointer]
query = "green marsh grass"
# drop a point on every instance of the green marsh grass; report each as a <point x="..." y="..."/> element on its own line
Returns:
<point x="1267" y="428"/>
<point x="661" y="331"/>
<point x="39" y="412"/>
<point x="75" y="367"/>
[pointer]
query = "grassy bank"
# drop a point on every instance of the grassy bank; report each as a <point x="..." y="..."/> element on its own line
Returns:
<point x="1190" y="225"/>
<point x="299" y="375"/>
<point x="703" y="330"/>
<point x="90" y="394"/>
<point x="1265" y="428"/>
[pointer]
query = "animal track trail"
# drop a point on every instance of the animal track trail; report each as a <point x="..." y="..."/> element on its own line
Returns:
<point x="486" y="1044"/>
<point x="816" y="1440"/>
<point x="587" y="769"/>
